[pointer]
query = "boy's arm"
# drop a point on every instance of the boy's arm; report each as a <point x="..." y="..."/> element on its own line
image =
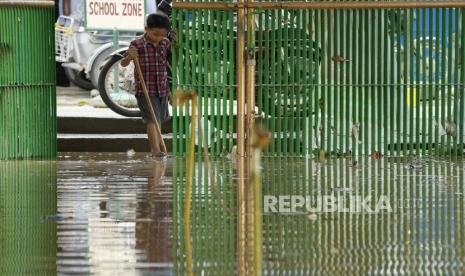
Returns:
<point x="130" y="55"/>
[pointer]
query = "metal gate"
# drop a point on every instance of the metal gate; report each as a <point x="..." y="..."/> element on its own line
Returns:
<point x="27" y="80"/>
<point x="343" y="78"/>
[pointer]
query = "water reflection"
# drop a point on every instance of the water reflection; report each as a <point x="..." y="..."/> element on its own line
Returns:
<point x="118" y="215"/>
<point x="27" y="218"/>
<point x="110" y="214"/>
<point x="422" y="234"/>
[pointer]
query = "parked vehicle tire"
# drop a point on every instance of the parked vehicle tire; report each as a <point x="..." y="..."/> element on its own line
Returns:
<point x="98" y="64"/>
<point x="79" y="79"/>
<point x="118" y="94"/>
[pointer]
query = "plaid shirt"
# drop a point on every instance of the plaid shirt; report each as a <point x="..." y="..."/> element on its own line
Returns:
<point x="153" y="60"/>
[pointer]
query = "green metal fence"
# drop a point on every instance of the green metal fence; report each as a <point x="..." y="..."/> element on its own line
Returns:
<point x="361" y="81"/>
<point x="27" y="80"/>
<point x="350" y="82"/>
<point x="205" y="61"/>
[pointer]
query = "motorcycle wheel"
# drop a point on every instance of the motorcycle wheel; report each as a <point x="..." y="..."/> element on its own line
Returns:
<point x="117" y="94"/>
<point x="79" y="79"/>
<point x="98" y="64"/>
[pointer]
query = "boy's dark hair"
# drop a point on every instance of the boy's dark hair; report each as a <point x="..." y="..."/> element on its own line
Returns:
<point x="158" y="20"/>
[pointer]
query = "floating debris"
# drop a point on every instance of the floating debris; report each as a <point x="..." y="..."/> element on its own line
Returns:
<point x="233" y="154"/>
<point x="312" y="217"/>
<point x="94" y="93"/>
<point x="415" y="165"/>
<point x="377" y="155"/>
<point x="343" y="189"/>
<point x="130" y="153"/>
<point x="337" y="58"/>
<point x="451" y="129"/>
<point x="54" y="217"/>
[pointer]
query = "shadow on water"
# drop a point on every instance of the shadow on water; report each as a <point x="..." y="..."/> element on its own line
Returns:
<point x="107" y="214"/>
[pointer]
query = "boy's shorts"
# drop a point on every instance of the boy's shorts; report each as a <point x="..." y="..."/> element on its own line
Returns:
<point x="160" y="107"/>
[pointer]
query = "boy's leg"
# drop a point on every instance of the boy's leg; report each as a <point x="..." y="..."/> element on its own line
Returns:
<point x="154" y="140"/>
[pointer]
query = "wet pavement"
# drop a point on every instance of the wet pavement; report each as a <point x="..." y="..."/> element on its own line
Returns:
<point x="113" y="214"/>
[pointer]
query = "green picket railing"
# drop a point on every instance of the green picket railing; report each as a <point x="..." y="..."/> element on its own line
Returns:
<point x="349" y="82"/>
<point x="27" y="80"/>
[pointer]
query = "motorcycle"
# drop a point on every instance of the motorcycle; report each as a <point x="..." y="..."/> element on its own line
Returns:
<point x="82" y="53"/>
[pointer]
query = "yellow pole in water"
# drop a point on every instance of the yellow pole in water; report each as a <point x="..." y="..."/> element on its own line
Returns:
<point x="250" y="102"/>
<point x="261" y="139"/>
<point x="187" y="197"/>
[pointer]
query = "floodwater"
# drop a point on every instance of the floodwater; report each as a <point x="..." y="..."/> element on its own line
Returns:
<point x="113" y="214"/>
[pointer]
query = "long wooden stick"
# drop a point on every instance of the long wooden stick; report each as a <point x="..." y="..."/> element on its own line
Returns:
<point x="149" y="103"/>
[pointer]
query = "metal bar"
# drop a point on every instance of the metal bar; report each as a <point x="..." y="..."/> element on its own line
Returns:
<point x="279" y="64"/>
<point x="448" y="119"/>
<point x="261" y="61"/>
<point x="298" y="93"/>
<point x="355" y="79"/>
<point x="329" y="114"/>
<point x="443" y="95"/>
<point x="211" y="77"/>
<point x="232" y="69"/>
<point x="416" y="51"/>
<point x="400" y="86"/>
<point x="250" y="79"/>
<point x="177" y="19"/>
<point x="285" y="65"/>
<point x="339" y="17"/>
<point x="348" y="80"/>
<point x="266" y="60"/>
<point x="317" y="5"/>
<point x="368" y="57"/>
<point x="392" y="79"/>
<point x="425" y="85"/>
<point x="311" y="90"/>
<point x="292" y="64"/>
<point x="324" y="74"/>
<point x="437" y="82"/>
<point x="362" y="78"/>
<point x="386" y="90"/>
<point x="225" y="54"/>
<point x="462" y="82"/>
<point x="380" y="63"/>
<point x="412" y="80"/>
<point x="273" y="78"/>
<point x="456" y="87"/>
<point x="430" y="84"/>
<point x="26" y="4"/>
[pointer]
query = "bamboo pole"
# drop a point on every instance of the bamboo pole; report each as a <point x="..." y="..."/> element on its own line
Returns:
<point x="318" y="5"/>
<point x="241" y="204"/>
<point x="250" y="103"/>
<point x="250" y="78"/>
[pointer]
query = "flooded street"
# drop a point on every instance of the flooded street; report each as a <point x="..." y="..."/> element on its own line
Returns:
<point x="113" y="214"/>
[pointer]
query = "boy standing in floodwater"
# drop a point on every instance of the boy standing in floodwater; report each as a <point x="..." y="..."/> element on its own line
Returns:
<point x="153" y="50"/>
